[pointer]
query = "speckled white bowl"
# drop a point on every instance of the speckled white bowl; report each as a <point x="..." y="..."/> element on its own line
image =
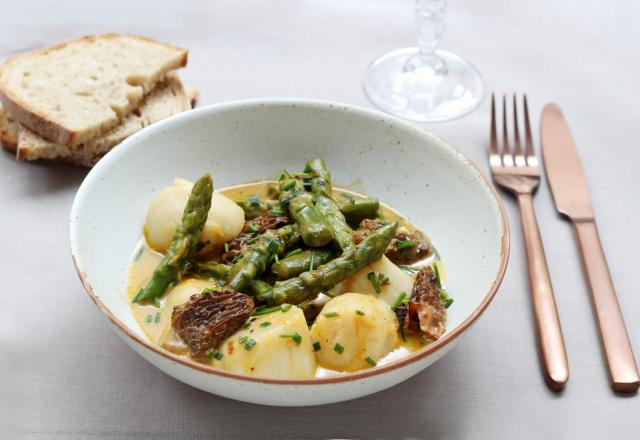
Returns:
<point x="426" y="179"/>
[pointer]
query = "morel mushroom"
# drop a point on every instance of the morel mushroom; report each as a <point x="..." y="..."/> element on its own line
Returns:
<point x="207" y="319"/>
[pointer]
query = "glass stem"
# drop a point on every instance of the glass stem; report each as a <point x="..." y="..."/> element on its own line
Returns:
<point x="430" y="25"/>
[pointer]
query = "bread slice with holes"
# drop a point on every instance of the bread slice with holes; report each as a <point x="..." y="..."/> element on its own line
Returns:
<point x="82" y="89"/>
<point x="168" y="98"/>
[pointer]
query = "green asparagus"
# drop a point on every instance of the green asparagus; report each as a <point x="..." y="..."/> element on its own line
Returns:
<point x="213" y="269"/>
<point x="314" y="230"/>
<point x="308" y="284"/>
<point x="294" y="265"/>
<point x="252" y="206"/>
<point x="185" y="241"/>
<point x="356" y="210"/>
<point x="254" y="261"/>
<point x="321" y="187"/>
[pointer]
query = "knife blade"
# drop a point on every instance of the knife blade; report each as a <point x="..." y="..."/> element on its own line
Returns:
<point x="571" y="196"/>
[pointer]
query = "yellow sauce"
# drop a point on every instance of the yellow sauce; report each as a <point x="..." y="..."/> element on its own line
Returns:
<point x="145" y="260"/>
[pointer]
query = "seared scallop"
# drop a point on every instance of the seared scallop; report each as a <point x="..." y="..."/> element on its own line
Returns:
<point x="353" y="332"/>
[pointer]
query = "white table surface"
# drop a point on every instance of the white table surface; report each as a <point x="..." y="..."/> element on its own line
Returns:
<point x="65" y="374"/>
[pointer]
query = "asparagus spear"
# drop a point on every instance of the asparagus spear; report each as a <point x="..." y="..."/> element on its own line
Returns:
<point x="296" y="290"/>
<point x="321" y="187"/>
<point x="356" y="210"/>
<point x="296" y="264"/>
<point x="185" y="240"/>
<point x="254" y="261"/>
<point x="314" y="230"/>
<point x="214" y="269"/>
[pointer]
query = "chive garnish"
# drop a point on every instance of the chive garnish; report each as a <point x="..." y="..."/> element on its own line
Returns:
<point x="265" y="324"/>
<point x="285" y="307"/>
<point x="448" y="302"/>
<point x="265" y="310"/>
<point x="359" y="312"/>
<point x="158" y="314"/>
<point x="377" y="280"/>
<point x="254" y="199"/>
<point x="316" y="346"/>
<point x="149" y="318"/>
<point x="243" y="339"/>
<point x="370" y="361"/>
<point x="436" y="272"/>
<point x="338" y="348"/>
<point x="250" y="344"/>
<point x="226" y="247"/>
<point x="252" y="227"/>
<point x="330" y="314"/>
<point x="404" y="244"/>
<point x="293" y="252"/>
<point x="214" y="354"/>
<point x="253" y="240"/>
<point x="399" y="300"/>
<point x="295" y="336"/>
<point x="217" y="355"/>
<point x="303" y="175"/>
<point x="290" y="184"/>
<point x="246" y="326"/>
<point x="206" y="290"/>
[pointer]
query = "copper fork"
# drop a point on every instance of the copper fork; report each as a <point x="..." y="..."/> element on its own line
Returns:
<point x="517" y="170"/>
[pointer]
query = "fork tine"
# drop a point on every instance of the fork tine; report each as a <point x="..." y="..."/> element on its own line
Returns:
<point x="494" y="156"/>
<point x="532" y="160"/>
<point x="517" y="147"/>
<point x="507" y="158"/>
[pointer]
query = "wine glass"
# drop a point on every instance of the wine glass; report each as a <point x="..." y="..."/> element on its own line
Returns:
<point x="424" y="83"/>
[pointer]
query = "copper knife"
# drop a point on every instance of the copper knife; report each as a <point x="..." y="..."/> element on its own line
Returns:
<point x="571" y="195"/>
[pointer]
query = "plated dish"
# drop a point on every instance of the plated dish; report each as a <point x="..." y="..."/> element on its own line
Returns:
<point x="289" y="278"/>
<point x="369" y="153"/>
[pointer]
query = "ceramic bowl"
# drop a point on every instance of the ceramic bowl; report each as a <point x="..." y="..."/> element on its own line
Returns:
<point x="426" y="179"/>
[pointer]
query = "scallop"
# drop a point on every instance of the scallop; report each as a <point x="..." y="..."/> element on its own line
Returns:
<point x="398" y="281"/>
<point x="274" y="345"/>
<point x="225" y="219"/>
<point x="354" y="331"/>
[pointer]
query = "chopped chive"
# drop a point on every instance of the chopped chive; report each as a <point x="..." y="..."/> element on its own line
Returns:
<point x="149" y="318"/>
<point x="254" y="199"/>
<point x="226" y="247"/>
<point x="265" y="324"/>
<point x="293" y="252"/>
<point x="252" y="227"/>
<point x="377" y="280"/>
<point x="214" y="354"/>
<point x="370" y="361"/>
<point x="404" y="244"/>
<point x="448" y="302"/>
<point x="338" y="348"/>
<point x="295" y="336"/>
<point x="265" y="311"/>
<point x="253" y="240"/>
<point x="158" y="314"/>
<point x="290" y="184"/>
<point x="281" y="176"/>
<point x="316" y="346"/>
<point x="206" y="291"/>
<point x="436" y="271"/>
<point x="359" y="312"/>
<point x="217" y="355"/>
<point x="303" y="175"/>
<point x="243" y="339"/>
<point x="398" y="300"/>
<point x="250" y="344"/>
<point x="330" y="314"/>
<point x="246" y="326"/>
<point x="285" y="307"/>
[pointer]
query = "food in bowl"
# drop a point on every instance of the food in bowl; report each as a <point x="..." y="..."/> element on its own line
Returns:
<point x="287" y="278"/>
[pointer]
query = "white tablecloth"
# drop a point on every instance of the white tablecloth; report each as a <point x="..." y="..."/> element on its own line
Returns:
<point x="65" y="374"/>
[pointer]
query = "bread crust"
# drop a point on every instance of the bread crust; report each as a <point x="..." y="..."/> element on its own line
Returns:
<point x="38" y="122"/>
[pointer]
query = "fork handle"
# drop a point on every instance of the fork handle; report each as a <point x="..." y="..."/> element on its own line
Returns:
<point x="623" y="371"/>
<point x="545" y="313"/>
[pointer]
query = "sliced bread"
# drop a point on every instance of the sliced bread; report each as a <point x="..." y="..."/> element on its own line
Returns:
<point x="81" y="89"/>
<point x="169" y="97"/>
<point x="9" y="129"/>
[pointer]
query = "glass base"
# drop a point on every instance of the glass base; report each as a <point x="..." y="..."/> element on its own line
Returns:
<point x="402" y="84"/>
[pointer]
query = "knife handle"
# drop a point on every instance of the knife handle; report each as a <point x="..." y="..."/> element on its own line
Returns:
<point x="545" y="313"/>
<point x="623" y="371"/>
